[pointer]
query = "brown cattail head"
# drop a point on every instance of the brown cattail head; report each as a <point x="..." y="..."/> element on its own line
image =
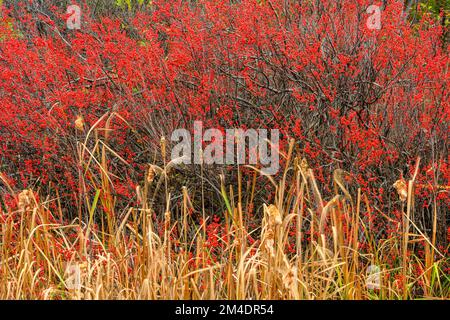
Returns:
<point x="25" y="202"/>
<point x="269" y="242"/>
<point x="402" y="189"/>
<point x="138" y="194"/>
<point x="79" y="123"/>
<point x="150" y="173"/>
<point x="274" y="215"/>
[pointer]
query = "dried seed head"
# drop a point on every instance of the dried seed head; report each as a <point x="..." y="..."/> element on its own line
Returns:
<point x="268" y="245"/>
<point x="402" y="189"/>
<point x="304" y="166"/>
<point x="274" y="215"/>
<point x="138" y="193"/>
<point x="83" y="266"/>
<point x="167" y="220"/>
<point x="25" y="200"/>
<point x="79" y="123"/>
<point x="150" y="174"/>
<point x="269" y="235"/>
<point x="269" y="242"/>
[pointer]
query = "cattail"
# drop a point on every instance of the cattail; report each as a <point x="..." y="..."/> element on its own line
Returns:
<point x="274" y="215"/>
<point x="83" y="266"/>
<point x="150" y="174"/>
<point x="167" y="220"/>
<point x="269" y="241"/>
<point x="25" y="200"/>
<point x="79" y="123"/>
<point x="304" y="166"/>
<point x="138" y="194"/>
<point x="402" y="189"/>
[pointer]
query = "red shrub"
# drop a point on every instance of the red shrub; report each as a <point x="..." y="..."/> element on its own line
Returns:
<point x="367" y="101"/>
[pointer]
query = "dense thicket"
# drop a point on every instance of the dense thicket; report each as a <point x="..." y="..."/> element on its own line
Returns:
<point x="366" y="101"/>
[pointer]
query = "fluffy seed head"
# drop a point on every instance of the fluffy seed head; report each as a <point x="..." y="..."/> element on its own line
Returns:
<point x="79" y="123"/>
<point x="274" y="215"/>
<point x="402" y="189"/>
<point x="25" y="200"/>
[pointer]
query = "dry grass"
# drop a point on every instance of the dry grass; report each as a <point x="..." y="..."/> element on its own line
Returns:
<point x="136" y="257"/>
